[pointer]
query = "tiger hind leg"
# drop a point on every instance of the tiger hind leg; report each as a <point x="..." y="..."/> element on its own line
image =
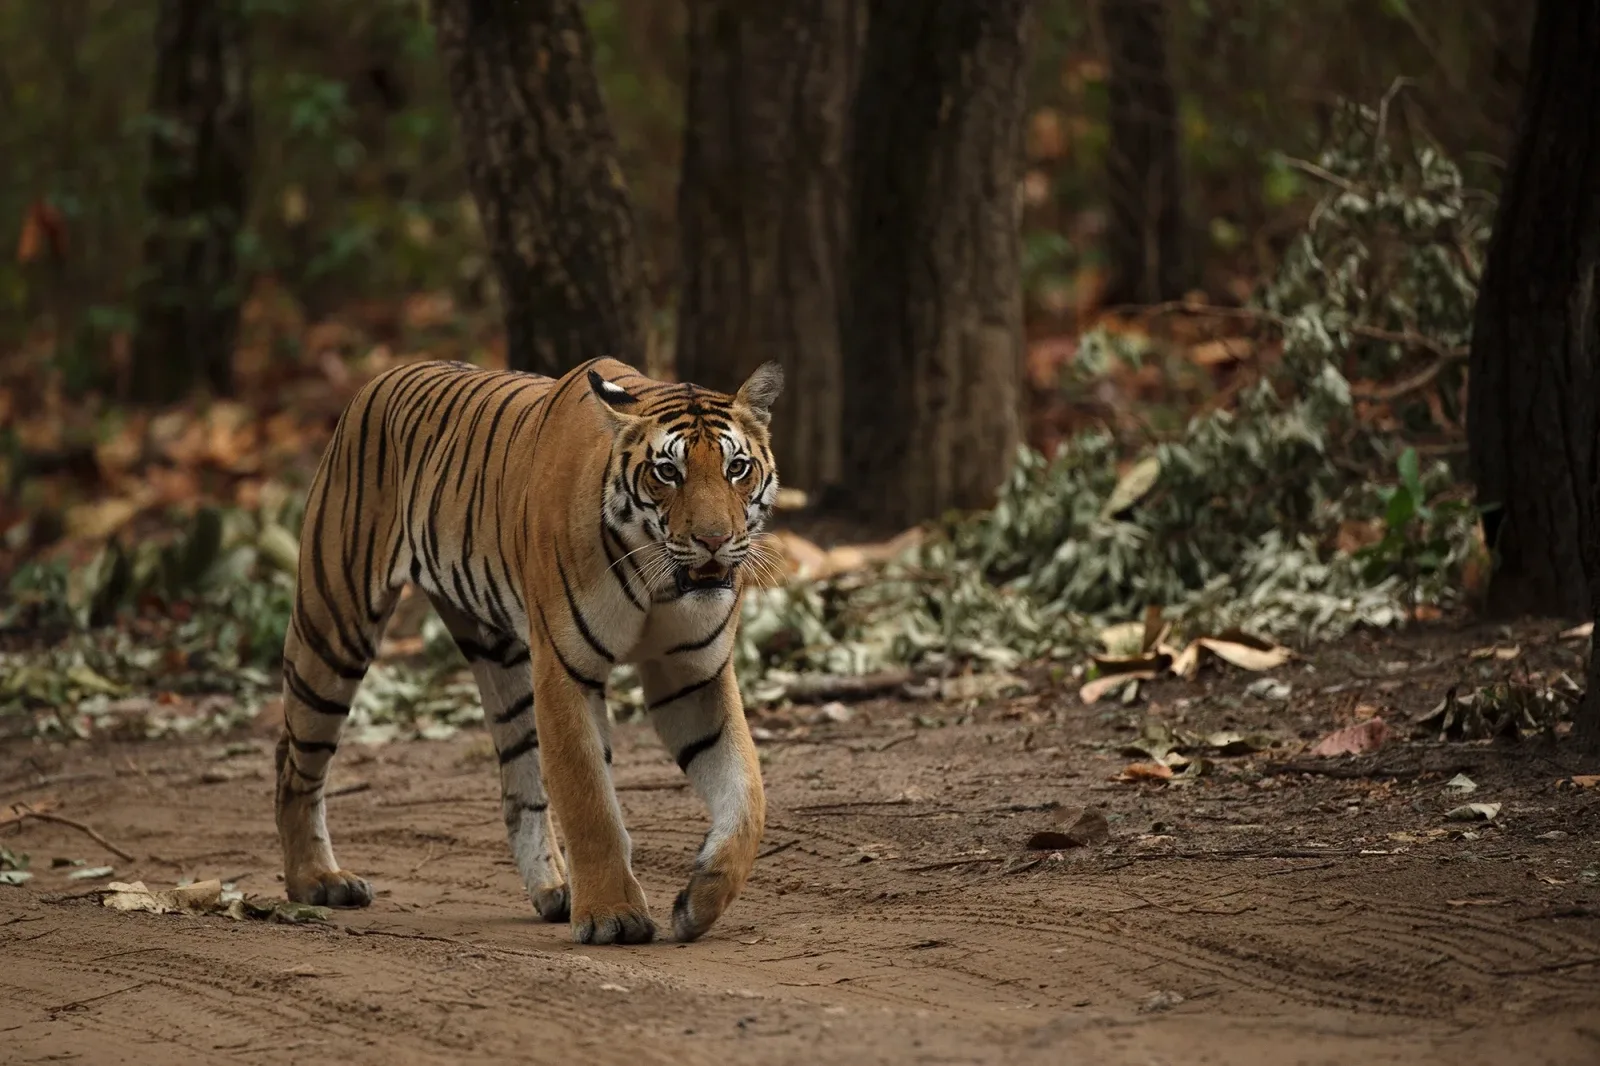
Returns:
<point x="500" y="665"/>
<point x="321" y="671"/>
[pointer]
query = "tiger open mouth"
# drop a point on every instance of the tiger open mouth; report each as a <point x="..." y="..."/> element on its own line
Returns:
<point x="703" y="577"/>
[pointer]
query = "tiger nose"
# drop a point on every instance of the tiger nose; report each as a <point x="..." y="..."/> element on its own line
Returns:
<point x="712" y="541"/>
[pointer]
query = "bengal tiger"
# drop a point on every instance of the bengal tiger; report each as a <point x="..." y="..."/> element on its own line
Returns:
<point x="560" y="527"/>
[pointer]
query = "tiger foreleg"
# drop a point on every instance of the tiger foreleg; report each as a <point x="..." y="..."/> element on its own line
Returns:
<point x="607" y="904"/>
<point x="702" y="725"/>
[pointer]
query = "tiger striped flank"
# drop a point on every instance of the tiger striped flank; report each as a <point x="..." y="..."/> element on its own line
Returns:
<point x="560" y="527"/>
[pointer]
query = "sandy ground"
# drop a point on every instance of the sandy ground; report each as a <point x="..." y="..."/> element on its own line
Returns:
<point x="1260" y="915"/>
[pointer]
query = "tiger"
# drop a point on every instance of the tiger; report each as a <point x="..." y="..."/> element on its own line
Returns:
<point x="559" y="527"/>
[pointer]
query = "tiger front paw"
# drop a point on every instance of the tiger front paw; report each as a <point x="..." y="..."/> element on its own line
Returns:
<point x="553" y="902"/>
<point x="329" y="888"/>
<point x="623" y="923"/>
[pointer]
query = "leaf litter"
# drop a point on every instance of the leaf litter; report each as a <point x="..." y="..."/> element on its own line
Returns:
<point x="207" y="898"/>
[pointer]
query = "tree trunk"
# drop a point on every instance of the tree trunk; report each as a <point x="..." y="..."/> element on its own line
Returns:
<point x="761" y="211"/>
<point x="541" y="162"/>
<point x="1147" y="237"/>
<point x="189" y="294"/>
<point x="931" y="316"/>
<point x="1532" y="418"/>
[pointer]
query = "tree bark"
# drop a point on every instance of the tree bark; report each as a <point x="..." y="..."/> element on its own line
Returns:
<point x="1146" y="241"/>
<point x="541" y="163"/>
<point x="761" y="211"/>
<point x="189" y="294"/>
<point x="1535" y="366"/>
<point x="931" y="316"/>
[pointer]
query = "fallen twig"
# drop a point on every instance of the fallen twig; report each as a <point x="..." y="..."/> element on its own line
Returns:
<point x="24" y="811"/>
<point x="949" y="864"/>
<point x="17" y="815"/>
<point x="75" y="1004"/>
<point x="846" y="804"/>
<point x="652" y="786"/>
<point x="819" y="688"/>
<point x="1248" y="853"/>
<point x="1337" y="771"/>
<point x="776" y="848"/>
<point x="351" y="789"/>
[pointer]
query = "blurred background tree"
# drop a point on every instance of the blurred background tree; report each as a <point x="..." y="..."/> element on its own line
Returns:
<point x="542" y="166"/>
<point x="1147" y="232"/>
<point x="762" y="207"/>
<point x="1534" y="422"/>
<point x="931" y="328"/>
<point x="196" y="188"/>
<point x="682" y="194"/>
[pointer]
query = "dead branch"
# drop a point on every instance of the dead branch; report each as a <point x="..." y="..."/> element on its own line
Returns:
<point x="820" y="688"/>
<point x="22" y="811"/>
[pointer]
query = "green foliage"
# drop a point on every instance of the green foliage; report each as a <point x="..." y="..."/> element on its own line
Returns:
<point x="1421" y="542"/>
<point x="1230" y="523"/>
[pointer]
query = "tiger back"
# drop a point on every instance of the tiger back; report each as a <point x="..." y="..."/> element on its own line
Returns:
<point x="560" y="527"/>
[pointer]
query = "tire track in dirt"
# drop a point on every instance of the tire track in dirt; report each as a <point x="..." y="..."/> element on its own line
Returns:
<point x="841" y="947"/>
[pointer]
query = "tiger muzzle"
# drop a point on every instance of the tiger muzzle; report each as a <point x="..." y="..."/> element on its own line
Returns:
<point x="704" y="577"/>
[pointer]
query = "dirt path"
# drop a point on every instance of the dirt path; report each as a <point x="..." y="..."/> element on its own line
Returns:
<point x="1254" y="917"/>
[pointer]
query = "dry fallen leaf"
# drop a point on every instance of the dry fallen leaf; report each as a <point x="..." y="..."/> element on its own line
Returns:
<point x="1473" y="812"/>
<point x="1144" y="771"/>
<point x="1580" y="632"/>
<point x="1246" y="657"/>
<point x="808" y="561"/>
<point x="1586" y="780"/>
<point x="1139" y="479"/>
<point x="1186" y="663"/>
<point x="1097" y="688"/>
<point x="134" y="896"/>
<point x="1355" y="739"/>
<point x="99" y="520"/>
<point x="1221" y="351"/>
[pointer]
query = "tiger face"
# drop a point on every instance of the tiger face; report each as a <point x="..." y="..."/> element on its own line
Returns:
<point x="691" y="475"/>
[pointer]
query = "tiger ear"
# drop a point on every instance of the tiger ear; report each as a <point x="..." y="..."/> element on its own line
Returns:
<point x="761" y="390"/>
<point x="614" y="399"/>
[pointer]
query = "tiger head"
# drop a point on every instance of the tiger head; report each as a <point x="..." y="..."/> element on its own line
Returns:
<point x="692" y="474"/>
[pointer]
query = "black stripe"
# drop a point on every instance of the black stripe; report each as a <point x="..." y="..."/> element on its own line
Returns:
<point x="690" y="690"/>
<point x="521" y="706"/>
<point x="302" y="775"/>
<point x="689" y="754"/>
<point x="302" y="692"/>
<point x="310" y="747"/>
<point x="520" y="748"/>
<point x="700" y="645"/>
<point x="314" y="643"/>
<point x="612" y="559"/>
<point x="580" y="373"/>
<point x="586" y="682"/>
<point x="577" y="616"/>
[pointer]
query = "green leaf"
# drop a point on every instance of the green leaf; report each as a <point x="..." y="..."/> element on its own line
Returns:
<point x="1410" y="472"/>
<point x="1402" y="507"/>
